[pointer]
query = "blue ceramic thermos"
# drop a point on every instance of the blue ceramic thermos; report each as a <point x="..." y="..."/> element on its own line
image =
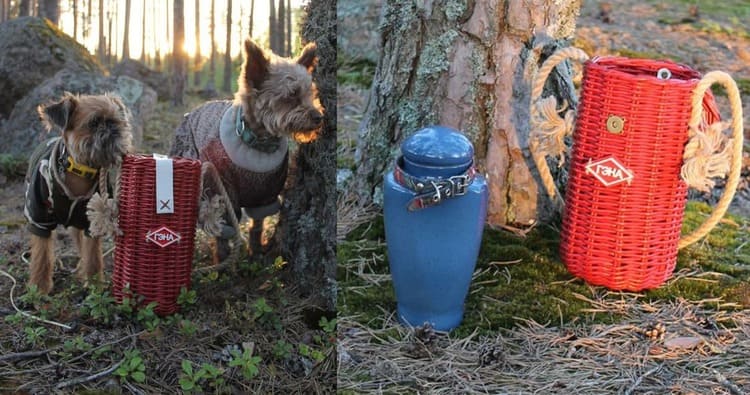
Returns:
<point x="435" y="206"/>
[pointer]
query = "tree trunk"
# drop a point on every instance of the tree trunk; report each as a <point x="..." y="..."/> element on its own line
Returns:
<point x="468" y="67"/>
<point x="307" y="224"/>
<point x="167" y="65"/>
<point x="272" y="25"/>
<point x="227" y="86"/>
<point x="101" y="32"/>
<point x="178" y="54"/>
<point x="143" y="33"/>
<point x="212" y="64"/>
<point x="157" y="53"/>
<point x="126" y="33"/>
<point x="252" y="17"/>
<point x="197" y="60"/>
<point x="109" y="38"/>
<point x="87" y="25"/>
<point x="288" y="27"/>
<point x="75" y="20"/>
<point x="281" y="30"/>
<point x="116" y="33"/>
<point x="24" y="8"/>
<point x="50" y="9"/>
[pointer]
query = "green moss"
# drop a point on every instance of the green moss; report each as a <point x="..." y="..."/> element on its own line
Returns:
<point x="523" y="278"/>
<point x="359" y="298"/>
<point x="743" y="85"/>
<point x="58" y="43"/>
<point x="722" y="258"/>
<point x="629" y="53"/>
<point x="351" y="71"/>
<point x="13" y="166"/>
<point x="722" y="9"/>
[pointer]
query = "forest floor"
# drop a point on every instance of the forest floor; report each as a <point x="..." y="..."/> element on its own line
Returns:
<point x="529" y="326"/>
<point x="240" y="330"/>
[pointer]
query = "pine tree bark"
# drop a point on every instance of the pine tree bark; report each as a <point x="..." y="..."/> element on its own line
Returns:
<point x="143" y="34"/>
<point x="197" y="59"/>
<point x="126" y="33"/>
<point x="212" y="65"/>
<point x="467" y="65"/>
<point x="87" y="26"/>
<point x="167" y="65"/>
<point x="280" y="33"/>
<point x="272" y="25"/>
<point x="307" y="224"/>
<point x="227" y="86"/>
<point x="75" y="20"/>
<point x="24" y="8"/>
<point x="101" y="32"/>
<point x="157" y="52"/>
<point x="109" y="38"/>
<point x="50" y="9"/>
<point x="252" y="17"/>
<point x="288" y="27"/>
<point x="178" y="54"/>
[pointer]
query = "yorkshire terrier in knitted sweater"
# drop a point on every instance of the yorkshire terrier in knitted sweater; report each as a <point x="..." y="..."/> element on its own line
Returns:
<point x="246" y="139"/>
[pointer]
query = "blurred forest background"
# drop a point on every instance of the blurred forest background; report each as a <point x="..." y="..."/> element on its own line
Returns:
<point x="208" y="42"/>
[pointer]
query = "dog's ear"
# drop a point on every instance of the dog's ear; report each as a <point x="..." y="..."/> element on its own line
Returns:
<point x="307" y="58"/>
<point x="58" y="114"/>
<point x="255" y="68"/>
<point x="119" y="103"/>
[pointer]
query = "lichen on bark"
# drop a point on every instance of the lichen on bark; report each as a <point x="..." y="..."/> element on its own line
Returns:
<point x="467" y="65"/>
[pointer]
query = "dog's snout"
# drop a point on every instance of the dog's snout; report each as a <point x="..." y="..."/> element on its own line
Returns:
<point x="316" y="117"/>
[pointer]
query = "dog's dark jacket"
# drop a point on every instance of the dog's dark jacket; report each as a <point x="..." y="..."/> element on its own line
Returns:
<point x="200" y="137"/>
<point x="44" y="209"/>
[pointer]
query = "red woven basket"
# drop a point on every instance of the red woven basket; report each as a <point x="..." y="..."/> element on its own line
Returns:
<point x="154" y="254"/>
<point x="624" y="236"/>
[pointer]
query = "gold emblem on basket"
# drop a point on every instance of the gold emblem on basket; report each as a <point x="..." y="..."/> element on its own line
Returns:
<point x="615" y="124"/>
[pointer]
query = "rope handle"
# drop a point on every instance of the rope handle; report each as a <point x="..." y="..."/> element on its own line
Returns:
<point x="548" y="129"/>
<point x="211" y="226"/>
<point x="698" y="141"/>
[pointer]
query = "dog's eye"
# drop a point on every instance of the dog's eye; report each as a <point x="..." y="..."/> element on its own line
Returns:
<point x="94" y="123"/>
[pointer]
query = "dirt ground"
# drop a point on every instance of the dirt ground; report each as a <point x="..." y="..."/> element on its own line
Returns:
<point x="244" y="330"/>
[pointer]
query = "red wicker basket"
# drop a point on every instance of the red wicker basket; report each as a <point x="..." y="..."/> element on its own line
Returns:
<point x="625" y="200"/>
<point x="154" y="254"/>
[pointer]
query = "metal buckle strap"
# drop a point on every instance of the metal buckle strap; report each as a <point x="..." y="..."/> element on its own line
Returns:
<point x="432" y="191"/>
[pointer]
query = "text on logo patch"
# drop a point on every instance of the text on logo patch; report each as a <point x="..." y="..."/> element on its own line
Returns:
<point x="609" y="171"/>
<point x="162" y="236"/>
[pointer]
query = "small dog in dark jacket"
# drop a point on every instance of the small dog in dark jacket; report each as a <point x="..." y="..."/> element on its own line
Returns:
<point x="63" y="173"/>
<point x="246" y="139"/>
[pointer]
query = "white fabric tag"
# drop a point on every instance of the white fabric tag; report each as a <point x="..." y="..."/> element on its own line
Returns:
<point x="164" y="194"/>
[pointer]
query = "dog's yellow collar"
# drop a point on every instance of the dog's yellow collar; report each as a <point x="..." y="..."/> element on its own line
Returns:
<point x="81" y="169"/>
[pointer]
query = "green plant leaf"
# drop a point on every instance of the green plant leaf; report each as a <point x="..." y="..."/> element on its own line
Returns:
<point x="122" y="371"/>
<point x="187" y="367"/>
<point x="138" y="376"/>
<point x="186" y="384"/>
<point x="135" y="362"/>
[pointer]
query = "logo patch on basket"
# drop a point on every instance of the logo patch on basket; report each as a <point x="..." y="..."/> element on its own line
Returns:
<point x="162" y="236"/>
<point x="609" y="171"/>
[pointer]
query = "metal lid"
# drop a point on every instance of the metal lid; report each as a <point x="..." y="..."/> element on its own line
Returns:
<point x="437" y="151"/>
